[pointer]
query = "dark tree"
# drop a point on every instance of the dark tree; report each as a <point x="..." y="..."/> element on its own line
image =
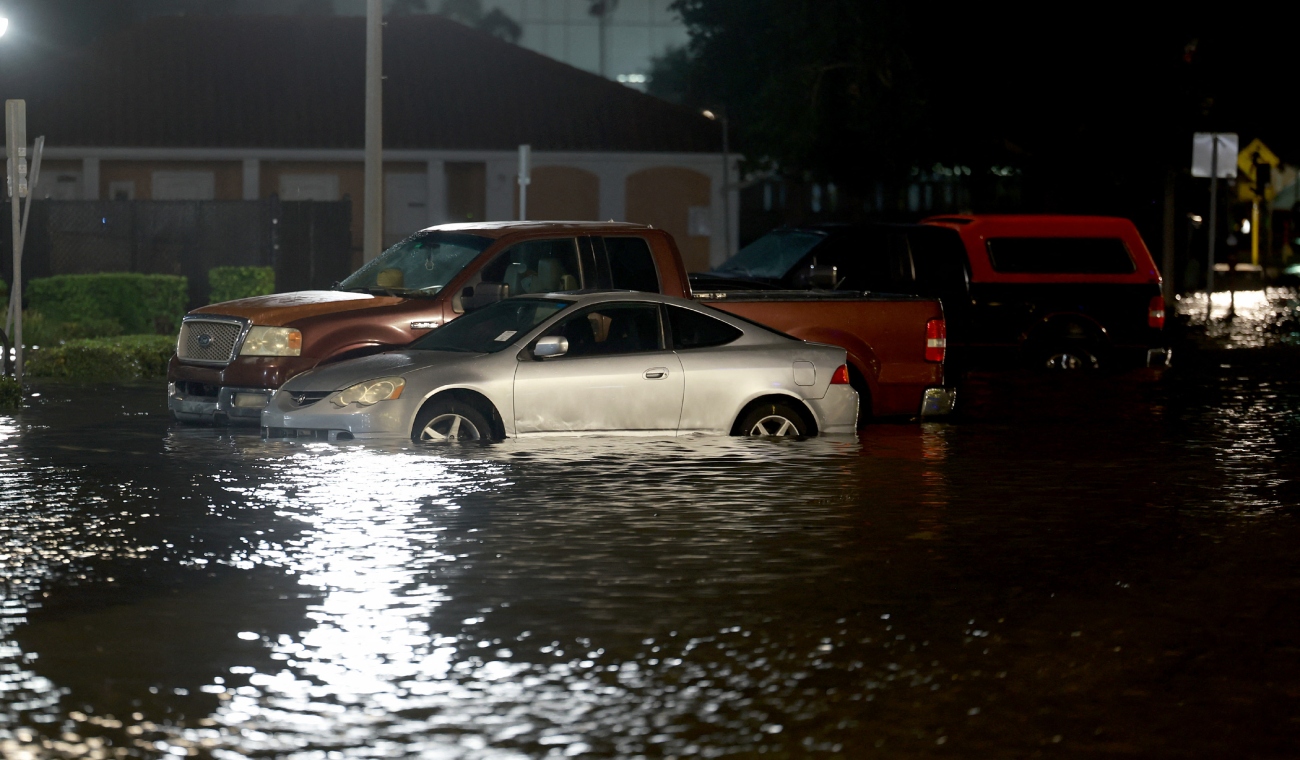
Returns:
<point x="823" y="88"/>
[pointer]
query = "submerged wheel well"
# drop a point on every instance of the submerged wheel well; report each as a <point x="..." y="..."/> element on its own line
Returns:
<point x="475" y="400"/>
<point x="797" y="403"/>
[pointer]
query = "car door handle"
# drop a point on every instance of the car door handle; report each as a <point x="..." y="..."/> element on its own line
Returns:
<point x="656" y="373"/>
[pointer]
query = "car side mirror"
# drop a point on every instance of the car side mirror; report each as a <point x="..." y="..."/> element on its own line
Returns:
<point x="551" y="346"/>
<point x="817" y="276"/>
<point x="483" y="294"/>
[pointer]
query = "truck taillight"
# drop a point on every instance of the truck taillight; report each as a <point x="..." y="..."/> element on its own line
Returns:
<point x="936" y="340"/>
<point x="841" y="376"/>
<point x="1156" y="313"/>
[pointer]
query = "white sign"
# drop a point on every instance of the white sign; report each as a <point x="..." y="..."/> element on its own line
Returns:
<point x="1203" y="154"/>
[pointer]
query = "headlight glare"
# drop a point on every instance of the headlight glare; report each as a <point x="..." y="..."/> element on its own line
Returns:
<point x="272" y="341"/>
<point x="371" y="392"/>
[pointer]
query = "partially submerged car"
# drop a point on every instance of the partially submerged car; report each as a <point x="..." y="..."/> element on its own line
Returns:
<point x="577" y="363"/>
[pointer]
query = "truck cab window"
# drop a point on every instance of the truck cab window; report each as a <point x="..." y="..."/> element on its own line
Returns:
<point x="534" y="266"/>
<point x="631" y="265"/>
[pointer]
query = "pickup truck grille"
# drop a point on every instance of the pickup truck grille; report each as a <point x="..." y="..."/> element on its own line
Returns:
<point x="208" y="341"/>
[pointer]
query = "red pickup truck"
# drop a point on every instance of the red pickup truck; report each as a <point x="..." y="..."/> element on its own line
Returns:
<point x="230" y="357"/>
<point x="1068" y="292"/>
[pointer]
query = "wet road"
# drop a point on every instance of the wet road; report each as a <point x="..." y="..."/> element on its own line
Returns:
<point x="1083" y="566"/>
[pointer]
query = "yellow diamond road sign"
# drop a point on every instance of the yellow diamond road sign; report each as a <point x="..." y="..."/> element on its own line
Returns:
<point x="1256" y="153"/>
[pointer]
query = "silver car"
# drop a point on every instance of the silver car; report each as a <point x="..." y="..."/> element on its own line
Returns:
<point x="593" y="363"/>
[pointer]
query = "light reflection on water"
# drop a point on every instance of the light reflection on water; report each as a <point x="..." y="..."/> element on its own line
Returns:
<point x="924" y="588"/>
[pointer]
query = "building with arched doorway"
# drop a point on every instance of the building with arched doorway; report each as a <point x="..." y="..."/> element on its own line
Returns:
<point x="246" y="107"/>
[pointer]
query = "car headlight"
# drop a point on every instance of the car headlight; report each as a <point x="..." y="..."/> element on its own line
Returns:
<point x="371" y="392"/>
<point x="272" y="341"/>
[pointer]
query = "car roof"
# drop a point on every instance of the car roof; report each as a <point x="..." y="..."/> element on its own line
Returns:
<point x="496" y="230"/>
<point x="583" y="297"/>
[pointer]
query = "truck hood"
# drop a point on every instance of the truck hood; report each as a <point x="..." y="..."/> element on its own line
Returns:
<point x="335" y="377"/>
<point x="284" y="308"/>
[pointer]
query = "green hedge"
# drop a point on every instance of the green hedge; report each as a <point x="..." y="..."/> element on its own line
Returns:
<point x="139" y="303"/>
<point x="11" y="393"/>
<point x="127" y="357"/>
<point x="231" y="283"/>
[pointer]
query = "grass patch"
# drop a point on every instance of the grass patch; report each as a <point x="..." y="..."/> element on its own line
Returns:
<point x="11" y="393"/>
<point x="95" y="360"/>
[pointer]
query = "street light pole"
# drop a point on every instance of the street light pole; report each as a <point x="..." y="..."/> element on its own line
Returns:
<point x="373" y="232"/>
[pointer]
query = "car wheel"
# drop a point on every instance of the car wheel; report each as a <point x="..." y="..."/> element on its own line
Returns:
<point x="774" y="419"/>
<point x="450" y="421"/>
<point x="1070" y="358"/>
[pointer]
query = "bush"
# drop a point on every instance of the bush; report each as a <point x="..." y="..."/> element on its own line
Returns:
<point x="128" y="357"/>
<point x="39" y="331"/>
<point x="231" y="283"/>
<point x="11" y="393"/>
<point x="139" y="303"/>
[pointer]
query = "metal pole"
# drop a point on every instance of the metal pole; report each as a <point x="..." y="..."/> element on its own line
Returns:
<point x="525" y="179"/>
<point x="1254" y="231"/>
<point x="373" y="233"/>
<point x="1214" y="217"/>
<point x="1170" y="229"/>
<point x="16" y="149"/>
<point x="726" y="186"/>
<point x="15" y="305"/>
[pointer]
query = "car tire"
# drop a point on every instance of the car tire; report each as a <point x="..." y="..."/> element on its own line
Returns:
<point x="1069" y="357"/>
<point x="450" y="421"/>
<point x="774" y="419"/>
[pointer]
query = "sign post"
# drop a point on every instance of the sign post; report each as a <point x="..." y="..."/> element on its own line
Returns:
<point x="525" y="179"/>
<point x="1209" y="159"/>
<point x="16" y="151"/>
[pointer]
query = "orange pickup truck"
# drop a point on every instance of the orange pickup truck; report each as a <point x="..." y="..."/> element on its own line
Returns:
<point x="230" y="357"/>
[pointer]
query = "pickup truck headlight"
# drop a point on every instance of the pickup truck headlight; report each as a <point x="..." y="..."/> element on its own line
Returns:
<point x="371" y="392"/>
<point x="272" y="341"/>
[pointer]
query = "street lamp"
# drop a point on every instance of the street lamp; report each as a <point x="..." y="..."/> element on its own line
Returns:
<point x="4" y="26"/>
<point x="726" y="174"/>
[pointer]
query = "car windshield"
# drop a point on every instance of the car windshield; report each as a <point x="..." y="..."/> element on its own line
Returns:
<point x="491" y="328"/>
<point x="420" y="265"/>
<point x="771" y="256"/>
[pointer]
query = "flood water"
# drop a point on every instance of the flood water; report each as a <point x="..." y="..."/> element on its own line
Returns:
<point x="1090" y="566"/>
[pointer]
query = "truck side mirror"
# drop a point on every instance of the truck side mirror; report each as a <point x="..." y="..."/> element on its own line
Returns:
<point x="483" y="294"/>
<point x="817" y="277"/>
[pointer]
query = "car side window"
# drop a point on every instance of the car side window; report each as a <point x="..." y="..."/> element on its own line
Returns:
<point x="692" y="329"/>
<point x="623" y="328"/>
<point x="631" y="264"/>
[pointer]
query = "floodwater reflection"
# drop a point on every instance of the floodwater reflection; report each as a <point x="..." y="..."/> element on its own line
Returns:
<point x="972" y="586"/>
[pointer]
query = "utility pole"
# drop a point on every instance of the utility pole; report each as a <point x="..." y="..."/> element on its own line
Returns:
<point x="373" y="232"/>
<point x="601" y="9"/>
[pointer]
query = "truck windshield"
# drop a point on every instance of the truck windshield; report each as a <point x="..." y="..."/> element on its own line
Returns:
<point x="491" y="328"/>
<point x="771" y="256"/>
<point x="419" y="265"/>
